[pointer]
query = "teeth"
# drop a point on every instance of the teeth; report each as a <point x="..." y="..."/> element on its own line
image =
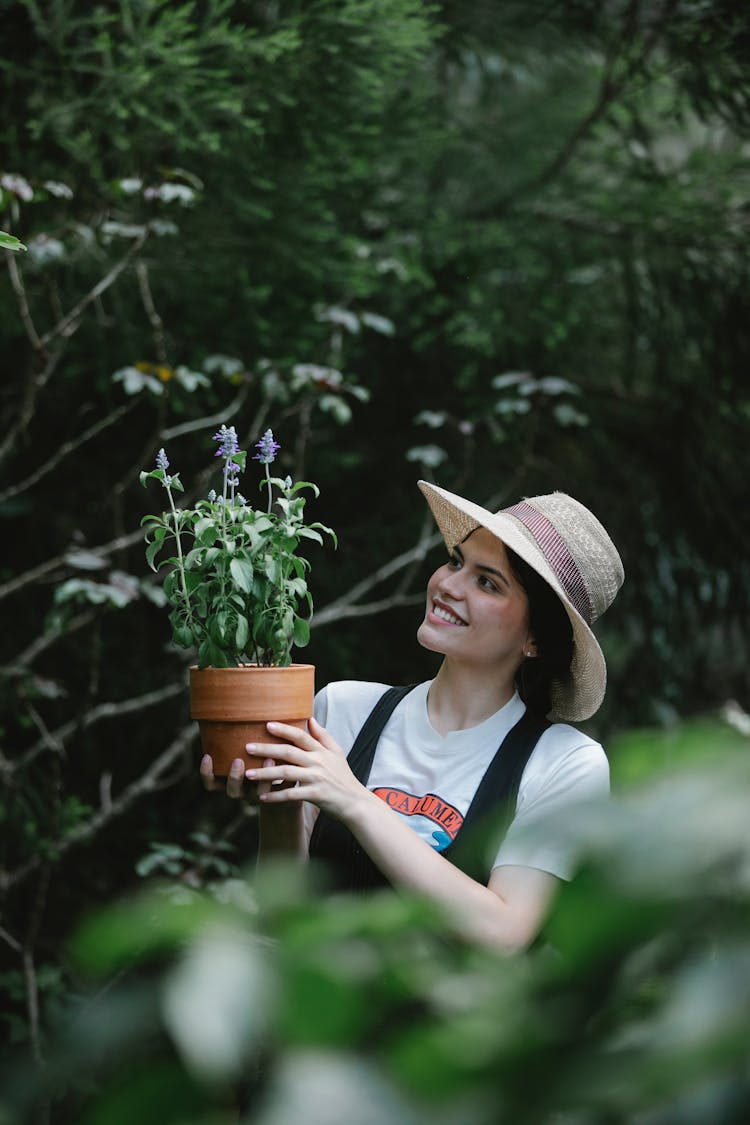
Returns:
<point x="444" y="615"/>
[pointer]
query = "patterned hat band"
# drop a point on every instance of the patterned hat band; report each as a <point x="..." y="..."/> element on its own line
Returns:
<point x="556" y="552"/>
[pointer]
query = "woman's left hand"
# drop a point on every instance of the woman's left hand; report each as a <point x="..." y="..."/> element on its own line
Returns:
<point x="314" y="764"/>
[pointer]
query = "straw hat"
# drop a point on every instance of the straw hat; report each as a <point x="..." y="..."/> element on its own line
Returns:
<point x="565" y="544"/>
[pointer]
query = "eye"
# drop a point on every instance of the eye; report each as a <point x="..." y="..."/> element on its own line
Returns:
<point x="453" y="562"/>
<point x="486" y="583"/>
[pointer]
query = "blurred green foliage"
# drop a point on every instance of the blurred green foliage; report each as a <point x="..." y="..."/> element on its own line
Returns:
<point x="501" y="244"/>
<point x="266" y="994"/>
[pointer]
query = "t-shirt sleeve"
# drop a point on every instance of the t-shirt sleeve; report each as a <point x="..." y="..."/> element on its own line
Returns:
<point x="542" y="834"/>
<point x="320" y="706"/>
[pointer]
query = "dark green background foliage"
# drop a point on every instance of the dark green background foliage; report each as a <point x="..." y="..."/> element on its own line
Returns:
<point x="500" y="244"/>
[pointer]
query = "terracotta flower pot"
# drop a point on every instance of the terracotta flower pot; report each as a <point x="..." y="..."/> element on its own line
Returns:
<point x="233" y="705"/>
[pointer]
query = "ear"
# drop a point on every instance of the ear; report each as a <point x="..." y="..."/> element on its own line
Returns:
<point x="530" y="650"/>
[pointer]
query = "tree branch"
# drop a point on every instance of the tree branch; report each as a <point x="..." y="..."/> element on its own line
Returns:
<point x="34" y="385"/>
<point x="65" y="450"/>
<point x="156" y="322"/>
<point x="41" y="643"/>
<point x="208" y="420"/>
<point x="19" y="289"/>
<point x="55" y="740"/>
<point x="10" y="940"/>
<point x="29" y="968"/>
<point x="64" y="328"/>
<point x="366" y="609"/>
<point x="610" y="89"/>
<point x="127" y="540"/>
<point x="345" y="606"/>
<point x="68" y="325"/>
<point x="83" y="833"/>
<point x="53" y="564"/>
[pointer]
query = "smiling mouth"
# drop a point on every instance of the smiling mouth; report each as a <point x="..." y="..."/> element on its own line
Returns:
<point x="446" y="615"/>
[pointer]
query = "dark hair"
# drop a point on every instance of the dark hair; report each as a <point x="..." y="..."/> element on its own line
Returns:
<point x="553" y="635"/>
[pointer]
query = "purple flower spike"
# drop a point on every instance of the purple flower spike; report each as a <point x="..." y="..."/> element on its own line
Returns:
<point x="162" y="461"/>
<point x="231" y="468"/>
<point x="267" y="449"/>
<point x="228" y="443"/>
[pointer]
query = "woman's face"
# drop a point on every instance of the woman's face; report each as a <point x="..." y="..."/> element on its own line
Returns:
<point x="477" y="610"/>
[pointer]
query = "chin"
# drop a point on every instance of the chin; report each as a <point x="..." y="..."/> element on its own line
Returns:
<point x="427" y="639"/>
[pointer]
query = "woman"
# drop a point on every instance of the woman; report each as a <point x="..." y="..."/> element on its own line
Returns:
<point x="435" y="774"/>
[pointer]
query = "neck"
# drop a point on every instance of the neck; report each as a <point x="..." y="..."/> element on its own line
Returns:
<point x="461" y="697"/>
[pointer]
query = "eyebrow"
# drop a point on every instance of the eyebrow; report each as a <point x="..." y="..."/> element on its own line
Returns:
<point x="483" y="567"/>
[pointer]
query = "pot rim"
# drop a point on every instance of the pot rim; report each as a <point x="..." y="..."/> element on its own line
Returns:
<point x="251" y="668"/>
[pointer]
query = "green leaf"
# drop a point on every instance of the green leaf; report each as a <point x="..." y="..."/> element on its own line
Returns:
<point x="208" y="536"/>
<point x="242" y="573"/>
<point x="10" y="242"/>
<point x="218" y="628"/>
<point x="272" y="570"/>
<point x="301" y="632"/>
<point x="170" y="583"/>
<point x="151" y="552"/>
<point x="304" y="484"/>
<point x="308" y="533"/>
<point x="242" y="633"/>
<point x="201" y="525"/>
<point x="183" y="636"/>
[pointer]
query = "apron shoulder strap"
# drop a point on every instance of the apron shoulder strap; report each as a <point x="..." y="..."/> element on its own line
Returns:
<point x="361" y="755"/>
<point x="493" y="806"/>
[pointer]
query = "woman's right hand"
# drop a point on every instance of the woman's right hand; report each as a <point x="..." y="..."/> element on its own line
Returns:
<point x="235" y="784"/>
<point x="282" y="828"/>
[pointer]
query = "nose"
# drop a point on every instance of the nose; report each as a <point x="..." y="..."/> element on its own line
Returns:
<point x="451" y="583"/>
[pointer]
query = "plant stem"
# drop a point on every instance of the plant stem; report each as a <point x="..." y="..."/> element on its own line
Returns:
<point x="181" y="566"/>
<point x="224" y="505"/>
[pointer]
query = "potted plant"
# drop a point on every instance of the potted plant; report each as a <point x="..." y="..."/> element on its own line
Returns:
<point x="236" y="584"/>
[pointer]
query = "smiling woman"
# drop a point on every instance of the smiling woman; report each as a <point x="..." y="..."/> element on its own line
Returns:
<point x="455" y="788"/>
<point x="477" y="609"/>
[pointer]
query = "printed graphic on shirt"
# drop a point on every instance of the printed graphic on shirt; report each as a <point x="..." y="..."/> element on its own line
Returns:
<point x="430" y="808"/>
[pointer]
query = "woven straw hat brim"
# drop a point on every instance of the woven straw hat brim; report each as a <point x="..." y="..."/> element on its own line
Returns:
<point x="581" y="693"/>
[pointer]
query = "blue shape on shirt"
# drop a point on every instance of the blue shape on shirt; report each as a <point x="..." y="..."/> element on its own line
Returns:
<point x="442" y="839"/>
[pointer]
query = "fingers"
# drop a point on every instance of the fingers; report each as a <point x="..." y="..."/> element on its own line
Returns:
<point x="264" y="786"/>
<point x="312" y="738"/>
<point x="271" y="773"/>
<point x="236" y="778"/>
<point x="291" y="754"/>
<point x="207" y="774"/>
<point x="323" y="737"/>
<point x="295" y="735"/>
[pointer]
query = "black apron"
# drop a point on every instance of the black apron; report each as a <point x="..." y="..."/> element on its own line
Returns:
<point x="487" y="818"/>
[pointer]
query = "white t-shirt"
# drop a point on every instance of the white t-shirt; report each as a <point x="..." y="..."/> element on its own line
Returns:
<point x="430" y="779"/>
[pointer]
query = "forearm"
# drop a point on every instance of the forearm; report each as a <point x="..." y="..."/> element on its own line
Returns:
<point x="281" y="832"/>
<point x="506" y="915"/>
<point x="480" y="914"/>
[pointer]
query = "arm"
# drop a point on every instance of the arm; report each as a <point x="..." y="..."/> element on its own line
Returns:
<point x="283" y="830"/>
<point x="507" y="914"/>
